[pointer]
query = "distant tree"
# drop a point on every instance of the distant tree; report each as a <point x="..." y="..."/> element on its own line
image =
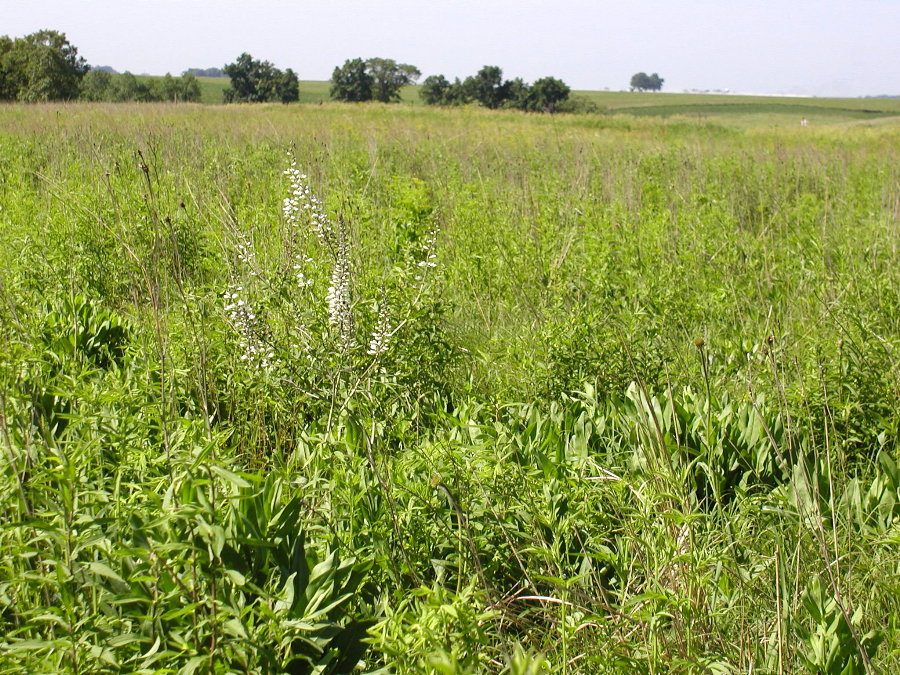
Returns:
<point x="97" y="85"/>
<point x="515" y="94"/>
<point x="486" y="87"/>
<point x="352" y="82"/>
<point x="166" y="89"/>
<point x="546" y="94"/>
<point x="129" y="88"/>
<point x="9" y="77"/>
<point x="106" y="69"/>
<point x="490" y="90"/>
<point x="287" y="87"/>
<point x="643" y="82"/>
<point x="43" y="66"/>
<point x="245" y="75"/>
<point x="183" y="89"/>
<point x="373" y="79"/>
<point x="434" y="90"/>
<point x="190" y="88"/>
<point x="388" y="76"/>
<point x="457" y="94"/>
<point x="205" y="72"/>
<point x="438" y="90"/>
<point x="259" y="81"/>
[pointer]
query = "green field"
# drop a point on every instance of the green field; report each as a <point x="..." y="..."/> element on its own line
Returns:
<point x="747" y="110"/>
<point x="618" y="100"/>
<point x="752" y="110"/>
<point x="515" y="393"/>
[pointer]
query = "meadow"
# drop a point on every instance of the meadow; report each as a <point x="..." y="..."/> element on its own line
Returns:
<point x="458" y="391"/>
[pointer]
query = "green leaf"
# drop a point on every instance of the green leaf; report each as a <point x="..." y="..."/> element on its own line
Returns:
<point x="235" y="628"/>
<point x="229" y="476"/>
<point x="194" y="664"/>
<point x="236" y="577"/>
<point x="103" y="570"/>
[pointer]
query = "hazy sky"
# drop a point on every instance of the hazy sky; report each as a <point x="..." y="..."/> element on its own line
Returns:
<point x="825" y="48"/>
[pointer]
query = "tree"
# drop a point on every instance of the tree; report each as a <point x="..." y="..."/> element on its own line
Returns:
<point x="438" y="90"/>
<point x="388" y="76"/>
<point x="486" y="87"/>
<point x="515" y="93"/>
<point x="189" y="88"/>
<point x="287" y="88"/>
<point x="43" y="66"/>
<point x="374" y="79"/>
<point x="97" y="85"/>
<point x="205" y="72"/>
<point x="9" y="86"/>
<point x="352" y="82"/>
<point x="546" y="94"/>
<point x="183" y="89"/>
<point x="643" y="82"/>
<point x="457" y="94"/>
<point x="490" y="90"/>
<point x="434" y="90"/>
<point x="259" y="81"/>
<point x="129" y="88"/>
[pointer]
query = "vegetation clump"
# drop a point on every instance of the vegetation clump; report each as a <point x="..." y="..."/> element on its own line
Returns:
<point x="371" y="80"/>
<point x="488" y="88"/>
<point x="643" y="82"/>
<point x="42" y="66"/>
<point x="255" y="81"/>
<point x="99" y="85"/>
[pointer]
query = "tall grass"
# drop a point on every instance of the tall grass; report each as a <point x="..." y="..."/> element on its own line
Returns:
<point x="547" y="394"/>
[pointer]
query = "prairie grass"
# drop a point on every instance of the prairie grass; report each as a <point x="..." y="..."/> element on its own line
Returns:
<point x="639" y="411"/>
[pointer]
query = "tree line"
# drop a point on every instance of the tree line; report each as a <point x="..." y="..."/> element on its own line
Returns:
<point x="382" y="79"/>
<point x="45" y="66"/>
<point x="488" y="88"/>
<point x="379" y="79"/>
<point x="99" y="85"/>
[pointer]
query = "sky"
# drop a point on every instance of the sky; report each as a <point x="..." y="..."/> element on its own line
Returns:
<point x="793" y="47"/>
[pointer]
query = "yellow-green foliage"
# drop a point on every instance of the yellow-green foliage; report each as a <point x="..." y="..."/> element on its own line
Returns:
<point x="530" y="393"/>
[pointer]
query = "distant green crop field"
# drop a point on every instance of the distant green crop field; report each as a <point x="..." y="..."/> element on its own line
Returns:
<point x="627" y="99"/>
<point x="744" y="110"/>
<point x="734" y="107"/>
<point x="212" y="88"/>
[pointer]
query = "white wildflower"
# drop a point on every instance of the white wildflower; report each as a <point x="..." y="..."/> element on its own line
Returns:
<point x="378" y="343"/>
<point x="429" y="257"/>
<point x="301" y="199"/>
<point x="243" y="317"/>
<point x="338" y="298"/>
